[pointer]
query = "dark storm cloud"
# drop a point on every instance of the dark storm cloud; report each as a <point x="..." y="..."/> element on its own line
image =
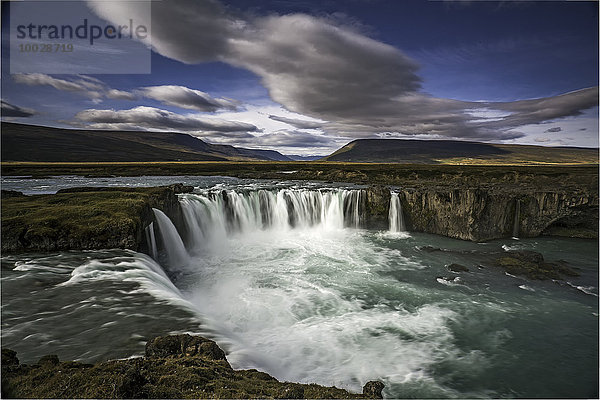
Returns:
<point x="308" y="64"/>
<point x="325" y="69"/>
<point x="189" y="31"/>
<point x="154" y="118"/>
<point x="11" y="110"/>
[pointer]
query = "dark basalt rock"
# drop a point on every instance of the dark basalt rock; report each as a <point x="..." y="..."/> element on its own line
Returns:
<point x="180" y="366"/>
<point x="457" y="268"/>
<point x="373" y="389"/>
<point x="531" y="264"/>
<point x="377" y="206"/>
<point x="485" y="212"/>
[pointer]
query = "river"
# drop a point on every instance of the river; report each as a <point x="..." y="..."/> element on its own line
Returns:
<point x="283" y="277"/>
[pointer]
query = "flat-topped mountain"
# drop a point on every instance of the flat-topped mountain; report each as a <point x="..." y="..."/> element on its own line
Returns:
<point x="455" y="152"/>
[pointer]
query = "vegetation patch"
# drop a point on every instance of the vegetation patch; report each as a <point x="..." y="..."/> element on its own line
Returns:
<point x="175" y="367"/>
<point x="81" y="218"/>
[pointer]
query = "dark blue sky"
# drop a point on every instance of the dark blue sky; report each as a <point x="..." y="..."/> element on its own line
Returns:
<point x="479" y="51"/>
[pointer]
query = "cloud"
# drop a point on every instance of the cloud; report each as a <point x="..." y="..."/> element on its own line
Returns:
<point x="183" y="97"/>
<point x="150" y="118"/>
<point x="535" y="111"/>
<point x="189" y="31"/>
<point x="284" y="141"/>
<point x="86" y="87"/>
<point x="552" y="130"/>
<point x="11" y="110"/>
<point x="298" y="123"/>
<point x="310" y="65"/>
<point x="294" y="139"/>
<point x="120" y="95"/>
<point x="95" y="89"/>
<point x="325" y="69"/>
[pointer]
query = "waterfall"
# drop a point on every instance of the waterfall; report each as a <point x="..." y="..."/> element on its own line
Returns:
<point x="151" y="240"/>
<point x="177" y="255"/>
<point x="219" y="214"/>
<point x="395" y="216"/>
<point x="515" y="231"/>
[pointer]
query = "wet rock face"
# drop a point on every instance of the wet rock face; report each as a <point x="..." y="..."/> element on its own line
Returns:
<point x="485" y="213"/>
<point x="377" y="207"/>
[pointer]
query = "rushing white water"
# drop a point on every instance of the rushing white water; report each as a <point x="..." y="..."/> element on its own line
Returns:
<point x="151" y="241"/>
<point x="396" y="219"/>
<point x="173" y="245"/>
<point x="211" y="217"/>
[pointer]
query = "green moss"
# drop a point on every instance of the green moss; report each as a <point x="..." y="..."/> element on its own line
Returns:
<point x="82" y="219"/>
<point x="185" y="377"/>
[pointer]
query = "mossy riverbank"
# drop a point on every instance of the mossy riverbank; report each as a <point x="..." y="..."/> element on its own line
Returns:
<point x="82" y="218"/>
<point x="174" y="367"/>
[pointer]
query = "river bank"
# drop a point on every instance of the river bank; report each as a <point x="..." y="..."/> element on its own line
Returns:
<point x="452" y="202"/>
<point x="174" y="367"/>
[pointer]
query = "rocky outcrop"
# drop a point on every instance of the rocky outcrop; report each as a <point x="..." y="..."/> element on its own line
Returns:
<point x="485" y="213"/>
<point x="85" y="218"/>
<point x="457" y="268"/>
<point x="175" y="367"/>
<point x="377" y="206"/>
<point x="531" y="265"/>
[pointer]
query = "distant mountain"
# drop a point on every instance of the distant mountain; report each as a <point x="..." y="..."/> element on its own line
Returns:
<point x="41" y="143"/>
<point x="458" y="152"/>
<point x="295" y="157"/>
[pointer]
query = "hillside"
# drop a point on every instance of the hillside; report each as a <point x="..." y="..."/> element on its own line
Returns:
<point x="40" y="143"/>
<point x="458" y="152"/>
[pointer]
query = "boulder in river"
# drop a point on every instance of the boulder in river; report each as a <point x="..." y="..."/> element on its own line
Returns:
<point x="532" y="265"/>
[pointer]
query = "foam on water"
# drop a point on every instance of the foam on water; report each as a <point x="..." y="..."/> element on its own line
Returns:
<point x="138" y="268"/>
<point x="294" y="303"/>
